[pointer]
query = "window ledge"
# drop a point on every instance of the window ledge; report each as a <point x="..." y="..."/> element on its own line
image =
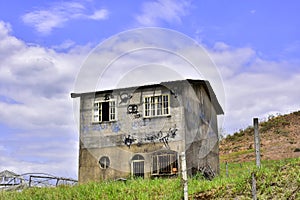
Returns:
<point x="159" y="116"/>
<point x="105" y="122"/>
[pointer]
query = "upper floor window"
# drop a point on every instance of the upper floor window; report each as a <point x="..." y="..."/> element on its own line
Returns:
<point x="157" y="105"/>
<point x="104" y="111"/>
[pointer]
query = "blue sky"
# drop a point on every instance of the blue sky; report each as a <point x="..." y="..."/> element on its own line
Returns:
<point x="254" y="44"/>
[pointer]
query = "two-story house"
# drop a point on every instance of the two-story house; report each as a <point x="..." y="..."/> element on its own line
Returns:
<point x="141" y="131"/>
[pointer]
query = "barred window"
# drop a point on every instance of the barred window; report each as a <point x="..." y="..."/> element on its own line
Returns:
<point x="104" y="111"/>
<point x="156" y="106"/>
<point x="164" y="164"/>
<point x="137" y="166"/>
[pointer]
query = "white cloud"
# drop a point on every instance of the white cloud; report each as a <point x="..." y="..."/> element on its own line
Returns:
<point x="169" y="11"/>
<point x="255" y="87"/>
<point x="45" y="20"/>
<point x="8" y="44"/>
<point x="5" y="29"/>
<point x="58" y="167"/>
<point x="65" y="45"/>
<point x="35" y="86"/>
<point x="99" y="15"/>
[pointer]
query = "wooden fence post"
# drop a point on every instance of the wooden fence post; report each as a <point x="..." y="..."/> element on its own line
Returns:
<point x="256" y="141"/>
<point x="29" y="181"/>
<point x="227" y="175"/>
<point x="254" y="195"/>
<point x="184" y="176"/>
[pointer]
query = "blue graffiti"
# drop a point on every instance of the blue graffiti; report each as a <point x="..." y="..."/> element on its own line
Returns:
<point x="201" y="115"/>
<point x="115" y="127"/>
<point x="82" y="118"/>
<point x="99" y="127"/>
<point x="85" y="128"/>
<point x="188" y="107"/>
<point x="137" y="124"/>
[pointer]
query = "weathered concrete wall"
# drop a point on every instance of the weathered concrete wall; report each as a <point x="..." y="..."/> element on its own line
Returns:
<point x="191" y="127"/>
<point x="107" y="138"/>
<point x="128" y="123"/>
<point x="120" y="161"/>
<point x="201" y="133"/>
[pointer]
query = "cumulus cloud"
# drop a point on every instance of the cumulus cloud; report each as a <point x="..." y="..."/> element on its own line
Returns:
<point x="255" y="87"/>
<point x="169" y="11"/>
<point x="66" y="45"/>
<point x="99" y="15"/>
<point x="35" y="83"/>
<point x="46" y="19"/>
<point x="27" y="155"/>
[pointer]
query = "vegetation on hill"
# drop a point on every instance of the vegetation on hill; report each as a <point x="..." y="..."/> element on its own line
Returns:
<point x="280" y="138"/>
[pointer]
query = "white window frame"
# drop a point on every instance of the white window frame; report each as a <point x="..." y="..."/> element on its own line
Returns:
<point x="156" y="105"/>
<point x="97" y="111"/>
<point x="140" y="160"/>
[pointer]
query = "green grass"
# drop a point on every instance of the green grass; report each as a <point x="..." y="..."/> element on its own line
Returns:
<point x="235" y="155"/>
<point x="275" y="180"/>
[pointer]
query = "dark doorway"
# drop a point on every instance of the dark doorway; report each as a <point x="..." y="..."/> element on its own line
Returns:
<point x="105" y="111"/>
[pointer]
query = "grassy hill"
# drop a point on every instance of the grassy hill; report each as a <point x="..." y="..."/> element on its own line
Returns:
<point x="278" y="178"/>
<point x="280" y="138"/>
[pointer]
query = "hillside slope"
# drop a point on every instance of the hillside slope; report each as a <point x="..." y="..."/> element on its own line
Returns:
<point x="280" y="138"/>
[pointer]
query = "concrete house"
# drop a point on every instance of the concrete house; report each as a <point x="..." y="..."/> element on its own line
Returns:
<point x="141" y="131"/>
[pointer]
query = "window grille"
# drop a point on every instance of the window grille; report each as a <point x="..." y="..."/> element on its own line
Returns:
<point x="164" y="164"/>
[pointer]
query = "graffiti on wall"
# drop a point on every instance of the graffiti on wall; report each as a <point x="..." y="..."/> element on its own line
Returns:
<point x="132" y="109"/>
<point x="129" y="140"/>
<point x="125" y="97"/>
<point x="114" y="127"/>
<point x="161" y="136"/>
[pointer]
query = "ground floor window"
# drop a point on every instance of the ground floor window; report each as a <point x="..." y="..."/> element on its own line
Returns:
<point x="137" y="166"/>
<point x="164" y="163"/>
<point x="104" y="162"/>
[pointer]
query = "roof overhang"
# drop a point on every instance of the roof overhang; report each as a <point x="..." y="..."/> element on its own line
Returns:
<point x="204" y="83"/>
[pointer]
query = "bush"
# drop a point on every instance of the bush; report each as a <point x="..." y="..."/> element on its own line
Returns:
<point x="297" y="150"/>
